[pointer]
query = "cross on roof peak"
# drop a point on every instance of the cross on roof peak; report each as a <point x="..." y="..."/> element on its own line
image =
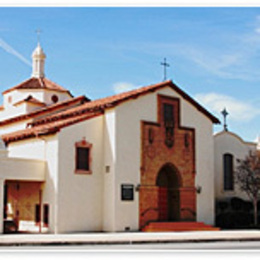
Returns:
<point x="165" y="64"/>
<point x="225" y="114"/>
<point x="38" y="31"/>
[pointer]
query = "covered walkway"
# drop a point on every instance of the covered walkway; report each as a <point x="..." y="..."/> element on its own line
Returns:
<point x="15" y="174"/>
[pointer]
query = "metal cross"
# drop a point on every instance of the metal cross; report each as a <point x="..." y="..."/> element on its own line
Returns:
<point x="225" y="114"/>
<point x="165" y="64"/>
<point x="38" y="31"/>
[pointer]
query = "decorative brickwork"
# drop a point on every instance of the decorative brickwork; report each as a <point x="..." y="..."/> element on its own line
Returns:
<point x="167" y="147"/>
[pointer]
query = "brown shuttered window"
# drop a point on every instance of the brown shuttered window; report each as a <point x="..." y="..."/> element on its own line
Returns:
<point x="83" y="158"/>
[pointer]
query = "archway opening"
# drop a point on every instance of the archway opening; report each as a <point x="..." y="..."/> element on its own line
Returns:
<point x="168" y="183"/>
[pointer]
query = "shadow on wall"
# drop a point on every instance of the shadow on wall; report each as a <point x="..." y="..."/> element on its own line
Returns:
<point x="235" y="213"/>
<point x="22" y="211"/>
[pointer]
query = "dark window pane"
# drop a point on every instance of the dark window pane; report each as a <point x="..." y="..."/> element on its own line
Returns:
<point x="46" y="214"/>
<point x="228" y="172"/>
<point x="82" y="158"/>
<point x="168" y="112"/>
<point x="5" y="200"/>
<point x="37" y="213"/>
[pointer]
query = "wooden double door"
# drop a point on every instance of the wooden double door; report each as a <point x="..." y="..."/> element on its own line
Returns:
<point x="168" y="185"/>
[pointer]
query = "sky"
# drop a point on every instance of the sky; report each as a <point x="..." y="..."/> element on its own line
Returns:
<point x="214" y="53"/>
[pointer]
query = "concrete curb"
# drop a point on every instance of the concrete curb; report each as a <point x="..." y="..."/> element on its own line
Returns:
<point x="127" y="238"/>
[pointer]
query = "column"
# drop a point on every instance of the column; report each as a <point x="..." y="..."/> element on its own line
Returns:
<point x="1" y="206"/>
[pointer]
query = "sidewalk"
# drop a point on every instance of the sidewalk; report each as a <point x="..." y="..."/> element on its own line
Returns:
<point x="126" y="238"/>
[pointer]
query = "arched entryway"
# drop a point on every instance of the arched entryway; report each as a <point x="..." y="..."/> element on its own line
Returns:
<point x="168" y="182"/>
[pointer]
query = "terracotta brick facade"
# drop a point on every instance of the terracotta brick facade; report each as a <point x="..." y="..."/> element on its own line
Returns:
<point x="170" y="147"/>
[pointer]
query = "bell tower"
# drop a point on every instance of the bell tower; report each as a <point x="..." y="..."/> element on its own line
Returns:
<point x="38" y="57"/>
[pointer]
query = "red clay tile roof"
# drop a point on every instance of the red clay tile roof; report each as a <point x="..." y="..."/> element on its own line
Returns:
<point x="32" y="100"/>
<point x="46" y="110"/>
<point x="119" y="98"/>
<point x="52" y="123"/>
<point x="47" y="129"/>
<point x="38" y="83"/>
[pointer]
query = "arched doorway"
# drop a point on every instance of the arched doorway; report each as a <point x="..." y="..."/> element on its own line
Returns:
<point x="168" y="182"/>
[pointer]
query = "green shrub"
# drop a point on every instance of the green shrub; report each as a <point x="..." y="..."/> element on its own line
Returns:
<point x="236" y="204"/>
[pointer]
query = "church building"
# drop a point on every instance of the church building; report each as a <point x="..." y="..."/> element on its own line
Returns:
<point x="233" y="207"/>
<point x="115" y="164"/>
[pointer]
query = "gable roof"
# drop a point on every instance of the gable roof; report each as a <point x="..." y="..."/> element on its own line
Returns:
<point x="47" y="129"/>
<point x="115" y="100"/>
<point x="46" y="110"/>
<point x="32" y="100"/>
<point x="38" y="83"/>
<point x="50" y="124"/>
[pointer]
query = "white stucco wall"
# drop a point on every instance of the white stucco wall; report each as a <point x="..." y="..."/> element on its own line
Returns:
<point x="109" y="146"/>
<point x="22" y="169"/>
<point x="80" y="196"/>
<point x="27" y="107"/>
<point x="18" y="95"/>
<point x="43" y="95"/>
<point x="128" y="146"/>
<point x="13" y="111"/>
<point x="128" y="155"/>
<point x="50" y="188"/>
<point x="33" y="148"/>
<point x="61" y="95"/>
<point x="14" y="127"/>
<point x="228" y="142"/>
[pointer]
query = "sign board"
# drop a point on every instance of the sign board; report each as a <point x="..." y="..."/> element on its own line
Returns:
<point x="127" y="192"/>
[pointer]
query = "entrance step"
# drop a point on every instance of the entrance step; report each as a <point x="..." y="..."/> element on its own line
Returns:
<point x="178" y="227"/>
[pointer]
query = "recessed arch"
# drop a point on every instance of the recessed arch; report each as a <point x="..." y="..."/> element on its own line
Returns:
<point x="168" y="182"/>
<point x="173" y="174"/>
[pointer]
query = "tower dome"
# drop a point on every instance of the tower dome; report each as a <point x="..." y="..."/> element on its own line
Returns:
<point x="38" y="52"/>
<point x="38" y="57"/>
